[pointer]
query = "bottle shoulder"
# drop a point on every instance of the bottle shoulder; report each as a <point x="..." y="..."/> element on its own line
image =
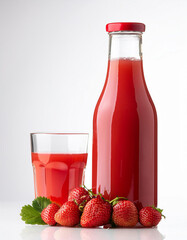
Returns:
<point x="123" y="107"/>
<point x="125" y="90"/>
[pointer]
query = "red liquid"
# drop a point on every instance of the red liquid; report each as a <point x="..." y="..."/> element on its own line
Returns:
<point x="57" y="174"/>
<point x="125" y="136"/>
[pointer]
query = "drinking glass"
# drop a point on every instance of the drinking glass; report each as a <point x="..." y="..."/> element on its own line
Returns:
<point x="59" y="162"/>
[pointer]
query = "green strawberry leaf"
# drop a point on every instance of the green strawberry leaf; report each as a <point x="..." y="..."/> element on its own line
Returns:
<point x="40" y="203"/>
<point x="31" y="215"/>
<point x="159" y="210"/>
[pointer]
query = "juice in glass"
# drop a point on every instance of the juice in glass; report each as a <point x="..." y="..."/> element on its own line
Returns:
<point x="59" y="162"/>
<point x="57" y="174"/>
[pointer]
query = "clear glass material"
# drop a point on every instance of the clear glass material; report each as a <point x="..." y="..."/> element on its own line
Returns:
<point x="125" y="45"/>
<point x="124" y="156"/>
<point x="59" y="162"/>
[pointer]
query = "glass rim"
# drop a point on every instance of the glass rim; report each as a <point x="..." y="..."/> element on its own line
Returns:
<point x="53" y="133"/>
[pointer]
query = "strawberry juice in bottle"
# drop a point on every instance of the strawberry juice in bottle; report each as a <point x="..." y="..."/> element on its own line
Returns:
<point x="124" y="153"/>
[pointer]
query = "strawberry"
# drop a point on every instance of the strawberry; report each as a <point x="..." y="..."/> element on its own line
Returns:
<point x="125" y="214"/>
<point x="150" y="216"/>
<point x="97" y="212"/>
<point x="68" y="215"/>
<point x="80" y="195"/>
<point x="48" y="213"/>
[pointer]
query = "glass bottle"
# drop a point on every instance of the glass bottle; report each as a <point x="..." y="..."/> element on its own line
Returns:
<point x="124" y="152"/>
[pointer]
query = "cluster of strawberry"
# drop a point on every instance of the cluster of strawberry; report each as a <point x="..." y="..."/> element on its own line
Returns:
<point x="90" y="210"/>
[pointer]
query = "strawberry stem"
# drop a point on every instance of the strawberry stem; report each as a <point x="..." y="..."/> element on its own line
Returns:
<point x="116" y="200"/>
<point x="75" y="202"/>
<point x="81" y="205"/>
<point x="81" y="208"/>
<point x="83" y="186"/>
<point x="89" y="191"/>
<point x="101" y="195"/>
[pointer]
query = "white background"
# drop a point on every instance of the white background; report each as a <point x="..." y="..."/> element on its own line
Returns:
<point x="53" y="61"/>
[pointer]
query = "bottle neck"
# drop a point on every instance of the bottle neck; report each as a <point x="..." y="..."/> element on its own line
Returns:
<point x="125" y="45"/>
<point x="125" y="69"/>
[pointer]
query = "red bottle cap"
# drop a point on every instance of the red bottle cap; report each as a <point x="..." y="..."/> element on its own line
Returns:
<point x="125" y="26"/>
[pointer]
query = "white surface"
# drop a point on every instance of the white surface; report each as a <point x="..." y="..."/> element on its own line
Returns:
<point x="11" y="227"/>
